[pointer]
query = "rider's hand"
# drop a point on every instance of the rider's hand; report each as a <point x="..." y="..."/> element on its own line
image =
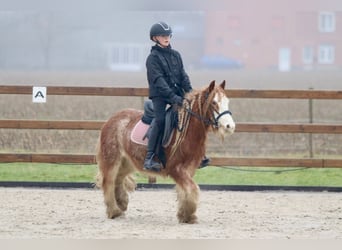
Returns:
<point x="177" y="100"/>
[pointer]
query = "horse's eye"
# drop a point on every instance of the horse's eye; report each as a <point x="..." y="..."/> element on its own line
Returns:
<point x="214" y="103"/>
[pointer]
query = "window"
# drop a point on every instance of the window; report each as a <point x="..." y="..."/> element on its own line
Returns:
<point x="127" y="57"/>
<point x="284" y="63"/>
<point x="308" y="55"/>
<point x="326" y="22"/>
<point x="326" y="54"/>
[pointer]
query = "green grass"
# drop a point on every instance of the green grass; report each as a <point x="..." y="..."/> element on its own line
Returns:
<point x="210" y="175"/>
<point x="47" y="172"/>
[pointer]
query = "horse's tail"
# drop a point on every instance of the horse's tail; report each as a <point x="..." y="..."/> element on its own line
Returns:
<point x="99" y="176"/>
<point x="129" y="181"/>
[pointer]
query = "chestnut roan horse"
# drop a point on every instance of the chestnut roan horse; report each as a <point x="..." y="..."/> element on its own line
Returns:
<point x="118" y="157"/>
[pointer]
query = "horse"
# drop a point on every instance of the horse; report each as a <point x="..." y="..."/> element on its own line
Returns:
<point x="118" y="157"/>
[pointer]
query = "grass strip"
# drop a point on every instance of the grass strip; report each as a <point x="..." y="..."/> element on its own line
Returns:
<point x="209" y="175"/>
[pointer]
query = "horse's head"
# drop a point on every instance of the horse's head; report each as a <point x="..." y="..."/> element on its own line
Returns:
<point x="218" y="106"/>
<point x="210" y="109"/>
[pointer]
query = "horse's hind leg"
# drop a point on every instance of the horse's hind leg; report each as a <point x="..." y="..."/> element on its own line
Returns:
<point x="124" y="183"/>
<point x="109" y="176"/>
<point x="187" y="194"/>
<point x="121" y="194"/>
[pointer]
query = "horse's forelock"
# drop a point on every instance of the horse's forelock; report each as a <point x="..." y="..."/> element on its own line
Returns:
<point x="222" y="93"/>
<point x="208" y="99"/>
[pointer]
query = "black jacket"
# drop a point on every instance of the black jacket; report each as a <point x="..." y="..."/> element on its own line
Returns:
<point x="165" y="74"/>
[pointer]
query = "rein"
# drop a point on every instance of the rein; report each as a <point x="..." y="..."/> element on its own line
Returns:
<point x="206" y="121"/>
<point x="183" y="121"/>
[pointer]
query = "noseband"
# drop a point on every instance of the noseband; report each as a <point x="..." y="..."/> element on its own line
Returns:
<point x="215" y="122"/>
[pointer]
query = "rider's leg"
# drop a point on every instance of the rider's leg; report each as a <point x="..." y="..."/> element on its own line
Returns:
<point x="147" y="119"/>
<point x="156" y="131"/>
<point x="150" y="163"/>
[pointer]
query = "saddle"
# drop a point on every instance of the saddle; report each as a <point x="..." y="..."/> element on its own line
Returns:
<point x="140" y="132"/>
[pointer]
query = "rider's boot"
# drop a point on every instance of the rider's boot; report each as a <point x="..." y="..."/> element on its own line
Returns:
<point x="205" y="162"/>
<point x="150" y="163"/>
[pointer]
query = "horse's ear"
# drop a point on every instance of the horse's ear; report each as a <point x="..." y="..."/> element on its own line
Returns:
<point x="211" y="86"/>
<point x="223" y="84"/>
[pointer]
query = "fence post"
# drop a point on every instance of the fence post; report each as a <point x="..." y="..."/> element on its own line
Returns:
<point x="152" y="180"/>
<point x="310" y="121"/>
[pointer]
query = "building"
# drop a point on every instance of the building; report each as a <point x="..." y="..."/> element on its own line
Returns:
<point x="252" y="34"/>
<point x="283" y="35"/>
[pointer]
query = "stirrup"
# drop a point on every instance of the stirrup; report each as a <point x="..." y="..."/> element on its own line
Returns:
<point x="152" y="165"/>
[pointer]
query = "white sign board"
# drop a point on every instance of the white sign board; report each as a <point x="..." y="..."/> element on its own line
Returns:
<point x="39" y="94"/>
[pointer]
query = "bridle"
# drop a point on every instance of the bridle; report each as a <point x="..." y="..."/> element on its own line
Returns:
<point x="215" y="122"/>
<point x="207" y="121"/>
<point x="183" y="122"/>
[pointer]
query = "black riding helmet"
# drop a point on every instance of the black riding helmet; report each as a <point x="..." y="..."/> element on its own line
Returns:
<point x="160" y="29"/>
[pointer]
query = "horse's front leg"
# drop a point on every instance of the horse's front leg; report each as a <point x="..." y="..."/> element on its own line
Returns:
<point x="187" y="194"/>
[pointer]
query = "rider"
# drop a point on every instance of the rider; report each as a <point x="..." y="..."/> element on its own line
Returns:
<point x="168" y="83"/>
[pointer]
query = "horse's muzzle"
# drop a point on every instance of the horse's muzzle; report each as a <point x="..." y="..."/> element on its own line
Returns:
<point x="231" y="128"/>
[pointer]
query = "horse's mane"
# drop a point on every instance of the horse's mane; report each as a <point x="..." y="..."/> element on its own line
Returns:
<point x="198" y="101"/>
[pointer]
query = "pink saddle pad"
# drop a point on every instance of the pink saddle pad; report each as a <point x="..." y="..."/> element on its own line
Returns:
<point x="138" y="133"/>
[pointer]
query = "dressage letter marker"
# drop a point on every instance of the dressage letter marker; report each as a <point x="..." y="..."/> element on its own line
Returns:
<point x="39" y="94"/>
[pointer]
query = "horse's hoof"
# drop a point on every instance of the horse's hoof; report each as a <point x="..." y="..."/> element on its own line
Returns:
<point x="192" y="219"/>
<point x="123" y="207"/>
<point x="114" y="214"/>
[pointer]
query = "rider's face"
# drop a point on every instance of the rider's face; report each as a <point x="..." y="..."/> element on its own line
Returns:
<point x="164" y="41"/>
